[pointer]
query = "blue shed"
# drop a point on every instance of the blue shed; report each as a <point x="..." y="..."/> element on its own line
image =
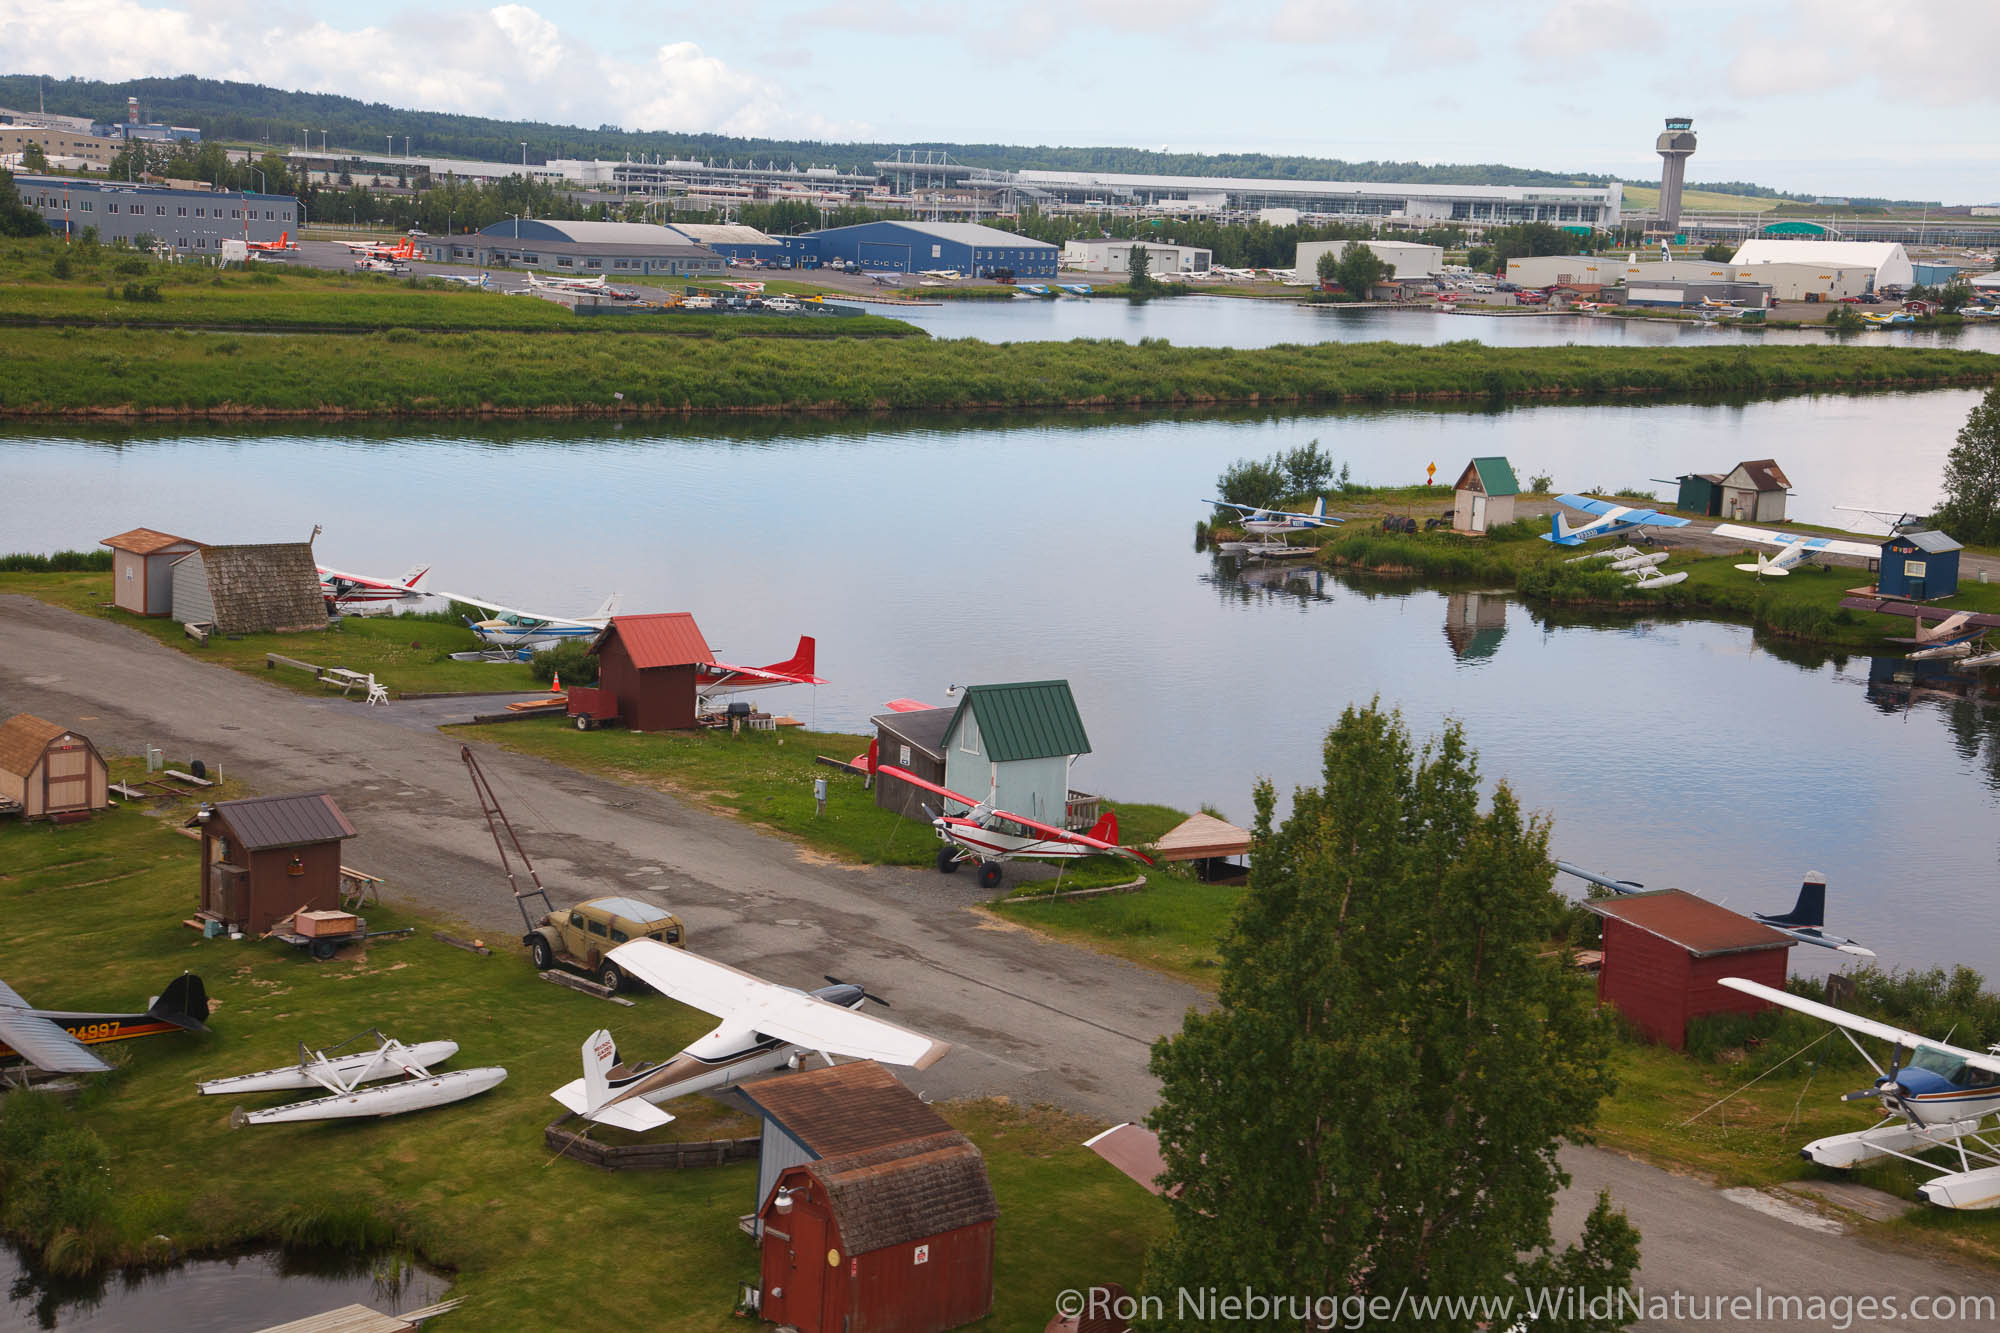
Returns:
<point x="1922" y="566"/>
<point x="918" y="247"/>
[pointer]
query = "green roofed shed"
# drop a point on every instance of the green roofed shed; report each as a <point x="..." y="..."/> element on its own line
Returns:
<point x="1484" y="495"/>
<point x="1012" y="745"/>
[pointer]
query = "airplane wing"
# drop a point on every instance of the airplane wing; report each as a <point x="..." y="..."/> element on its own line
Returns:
<point x="1589" y="505"/>
<point x="891" y="771"/>
<point x="776" y="1011"/>
<point x="492" y="608"/>
<point x="1228" y="504"/>
<point x="1653" y="518"/>
<point x="1826" y="1013"/>
<point x="1831" y="545"/>
<point x="41" y="1043"/>
<point x="908" y="706"/>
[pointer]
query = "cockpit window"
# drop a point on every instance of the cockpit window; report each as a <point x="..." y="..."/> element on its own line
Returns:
<point x="1942" y="1063"/>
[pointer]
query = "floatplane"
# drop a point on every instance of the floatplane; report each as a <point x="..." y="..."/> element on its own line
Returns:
<point x="1954" y="635"/>
<point x="1609" y="520"/>
<point x="1806" y="922"/>
<point x="988" y="837"/>
<point x="1271" y="529"/>
<point x="762" y="1027"/>
<point x="344" y="1076"/>
<point x="509" y="628"/>
<point x="57" y="1041"/>
<point x="341" y="588"/>
<point x="1794" y="549"/>
<point x="713" y="678"/>
<point x="1940" y="1099"/>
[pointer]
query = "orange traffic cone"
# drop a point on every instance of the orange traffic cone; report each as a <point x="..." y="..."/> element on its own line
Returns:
<point x="555" y="685"/>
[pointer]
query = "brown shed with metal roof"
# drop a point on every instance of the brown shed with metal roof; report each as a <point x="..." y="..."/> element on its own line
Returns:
<point x="914" y="742"/>
<point x="142" y="569"/>
<point x="48" y="770"/>
<point x="896" y="1239"/>
<point x="648" y="672"/>
<point x="1755" y="491"/>
<point x="1665" y="951"/>
<point x="266" y="857"/>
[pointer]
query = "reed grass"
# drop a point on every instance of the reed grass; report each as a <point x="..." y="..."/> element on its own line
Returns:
<point x="406" y="372"/>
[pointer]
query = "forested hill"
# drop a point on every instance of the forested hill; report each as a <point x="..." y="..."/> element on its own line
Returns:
<point x="252" y="112"/>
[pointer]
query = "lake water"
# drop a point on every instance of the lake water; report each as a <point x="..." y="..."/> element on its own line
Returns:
<point x="1667" y="752"/>
<point x="1226" y="321"/>
<point x="250" y="1291"/>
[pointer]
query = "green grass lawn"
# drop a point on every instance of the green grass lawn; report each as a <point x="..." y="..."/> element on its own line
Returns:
<point x="1173" y="925"/>
<point x="96" y="911"/>
<point x="408" y="654"/>
<point x="766" y="779"/>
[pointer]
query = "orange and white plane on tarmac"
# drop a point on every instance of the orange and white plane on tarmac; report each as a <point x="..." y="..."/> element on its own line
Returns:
<point x="283" y="243"/>
<point x="403" y="249"/>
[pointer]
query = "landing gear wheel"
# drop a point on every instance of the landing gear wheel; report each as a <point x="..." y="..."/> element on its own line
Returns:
<point x="541" y="954"/>
<point x="989" y="874"/>
<point x="582" y="722"/>
<point x="610" y="977"/>
<point x="947" y="860"/>
<point x="323" y="949"/>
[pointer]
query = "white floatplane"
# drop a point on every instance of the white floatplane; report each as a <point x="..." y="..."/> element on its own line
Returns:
<point x="1806" y="922"/>
<point x="344" y="1077"/>
<point x="1939" y="1100"/>
<point x="510" y="628"/>
<point x="1794" y="549"/>
<point x="762" y="1027"/>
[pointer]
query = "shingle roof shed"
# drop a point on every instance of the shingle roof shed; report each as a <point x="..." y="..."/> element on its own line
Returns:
<point x="145" y="541"/>
<point x="1765" y="474"/>
<point x="1032" y="719"/>
<point x="23" y="738"/>
<point x="843" y="1109"/>
<point x="906" y="1191"/>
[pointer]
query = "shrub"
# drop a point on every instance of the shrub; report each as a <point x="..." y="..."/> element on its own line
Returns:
<point x="61" y="562"/>
<point x="142" y="291"/>
<point x="571" y="659"/>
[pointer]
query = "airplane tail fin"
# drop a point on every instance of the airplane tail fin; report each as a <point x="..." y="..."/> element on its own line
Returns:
<point x="1319" y="507"/>
<point x="1810" y="910"/>
<point x="413" y="575"/>
<point x="800" y="663"/>
<point x="1558" y="530"/>
<point x="184" y="1003"/>
<point x="1106" y="828"/>
<point x="600" y="1056"/>
<point x="607" y="610"/>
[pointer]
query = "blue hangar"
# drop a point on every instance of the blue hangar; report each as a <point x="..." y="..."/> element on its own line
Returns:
<point x="915" y="247"/>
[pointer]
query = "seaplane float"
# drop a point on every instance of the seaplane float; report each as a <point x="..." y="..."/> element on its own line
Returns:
<point x="343" y="1074"/>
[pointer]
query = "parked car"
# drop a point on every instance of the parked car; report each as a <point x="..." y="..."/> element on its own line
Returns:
<point x="1506" y="287"/>
<point x="1531" y="298"/>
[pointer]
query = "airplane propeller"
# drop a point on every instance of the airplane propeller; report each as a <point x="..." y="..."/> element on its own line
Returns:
<point x="1886" y="1088"/>
<point x="865" y="994"/>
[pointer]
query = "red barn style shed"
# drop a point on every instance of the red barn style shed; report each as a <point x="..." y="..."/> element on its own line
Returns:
<point x="890" y="1240"/>
<point x="648" y="670"/>
<point x="1664" y="952"/>
<point x="266" y="857"/>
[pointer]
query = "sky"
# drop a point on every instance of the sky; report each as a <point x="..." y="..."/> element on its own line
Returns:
<point x="1832" y="97"/>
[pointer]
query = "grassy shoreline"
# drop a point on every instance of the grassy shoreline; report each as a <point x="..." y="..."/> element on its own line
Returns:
<point x="470" y="1188"/>
<point x="89" y="372"/>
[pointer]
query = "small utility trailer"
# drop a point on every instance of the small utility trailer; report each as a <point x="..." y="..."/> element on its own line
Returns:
<point x="591" y="707"/>
<point x="322" y="933"/>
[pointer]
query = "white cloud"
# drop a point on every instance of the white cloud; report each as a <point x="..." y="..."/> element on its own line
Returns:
<point x="508" y="61"/>
<point x="1926" y="51"/>
<point x="1588" y="29"/>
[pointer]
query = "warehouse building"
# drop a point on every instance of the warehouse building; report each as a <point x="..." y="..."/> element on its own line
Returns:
<point x="1405" y="259"/>
<point x="917" y="247"/>
<point x="1415" y="205"/>
<point x="1889" y="261"/>
<point x="732" y="240"/>
<point x="197" y="221"/>
<point x="1590" y="274"/>
<point x="1114" y="255"/>
<point x="579" y="249"/>
<point x="58" y="143"/>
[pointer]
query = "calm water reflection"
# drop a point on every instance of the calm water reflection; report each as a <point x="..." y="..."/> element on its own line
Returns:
<point x="1223" y="321"/>
<point x="1668" y="752"/>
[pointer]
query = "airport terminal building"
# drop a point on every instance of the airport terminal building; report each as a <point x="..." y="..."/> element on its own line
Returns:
<point x="196" y="221"/>
<point x="578" y="249"/>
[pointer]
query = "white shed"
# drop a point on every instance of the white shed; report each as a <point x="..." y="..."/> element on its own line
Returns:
<point x="1484" y="495"/>
<point x="1755" y="492"/>
<point x="1013" y="745"/>
<point x="142" y="570"/>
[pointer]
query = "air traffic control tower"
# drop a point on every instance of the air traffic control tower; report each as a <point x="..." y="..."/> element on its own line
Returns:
<point x="1675" y="147"/>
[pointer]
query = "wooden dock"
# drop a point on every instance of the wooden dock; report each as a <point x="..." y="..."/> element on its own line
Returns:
<point x="361" y="1319"/>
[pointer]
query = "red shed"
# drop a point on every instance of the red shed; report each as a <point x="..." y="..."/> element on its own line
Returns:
<point x="1664" y="952"/>
<point x="647" y="670"/>
<point x="890" y="1240"/>
<point x="266" y="857"/>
